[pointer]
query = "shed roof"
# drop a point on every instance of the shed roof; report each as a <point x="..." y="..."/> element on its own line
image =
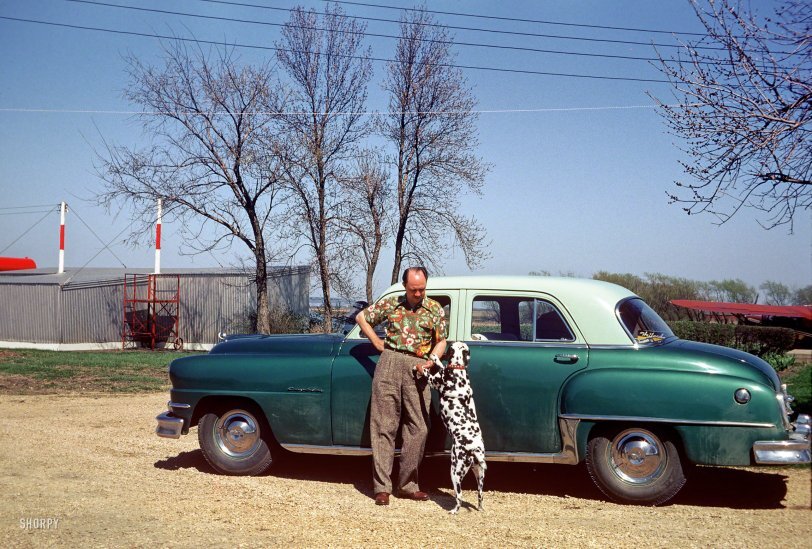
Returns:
<point x="98" y="275"/>
<point x="748" y="309"/>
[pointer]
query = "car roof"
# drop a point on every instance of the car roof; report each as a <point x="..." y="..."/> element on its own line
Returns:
<point x="591" y="303"/>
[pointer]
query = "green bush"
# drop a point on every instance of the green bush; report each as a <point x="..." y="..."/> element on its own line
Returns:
<point x="706" y="332"/>
<point x="758" y="340"/>
<point x="761" y="340"/>
<point x="779" y="361"/>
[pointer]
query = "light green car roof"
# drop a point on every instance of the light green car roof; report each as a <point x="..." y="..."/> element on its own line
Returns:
<point x="590" y="303"/>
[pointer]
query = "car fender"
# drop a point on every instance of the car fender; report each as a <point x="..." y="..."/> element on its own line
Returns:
<point x="689" y="403"/>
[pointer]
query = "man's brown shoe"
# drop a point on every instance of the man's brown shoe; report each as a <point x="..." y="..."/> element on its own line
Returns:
<point x="381" y="498"/>
<point x="416" y="496"/>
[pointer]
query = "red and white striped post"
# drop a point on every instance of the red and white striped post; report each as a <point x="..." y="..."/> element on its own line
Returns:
<point x="158" y="238"/>
<point x="62" y="209"/>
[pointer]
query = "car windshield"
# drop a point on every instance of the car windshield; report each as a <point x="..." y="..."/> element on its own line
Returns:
<point x="640" y="320"/>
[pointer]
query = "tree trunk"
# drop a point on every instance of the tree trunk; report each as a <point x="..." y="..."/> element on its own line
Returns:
<point x="373" y="262"/>
<point x="263" y="306"/>
<point x="325" y="289"/>
<point x="398" y="256"/>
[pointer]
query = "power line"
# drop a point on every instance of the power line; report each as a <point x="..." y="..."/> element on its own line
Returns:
<point x="515" y="19"/>
<point x="376" y="59"/>
<point x="100" y="251"/>
<point x="26" y="212"/>
<point x="40" y="220"/>
<point x="376" y="35"/>
<point x="106" y="246"/>
<point x="347" y="113"/>
<point x="474" y="29"/>
<point x="28" y="207"/>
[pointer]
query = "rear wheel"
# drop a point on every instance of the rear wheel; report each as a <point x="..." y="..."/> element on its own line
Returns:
<point x="234" y="440"/>
<point x="635" y="465"/>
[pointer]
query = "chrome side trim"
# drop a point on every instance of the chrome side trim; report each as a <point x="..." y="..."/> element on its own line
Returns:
<point x="568" y="454"/>
<point x="779" y="452"/>
<point x="641" y="419"/>
<point x="334" y="450"/>
<point x="178" y="405"/>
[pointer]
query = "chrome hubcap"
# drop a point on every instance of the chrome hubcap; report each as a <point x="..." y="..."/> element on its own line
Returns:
<point x="637" y="456"/>
<point x="237" y="433"/>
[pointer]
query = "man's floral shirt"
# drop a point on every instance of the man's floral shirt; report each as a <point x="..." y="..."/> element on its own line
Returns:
<point x="409" y="331"/>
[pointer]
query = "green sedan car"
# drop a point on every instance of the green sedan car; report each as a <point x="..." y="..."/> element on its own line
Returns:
<point x="563" y="370"/>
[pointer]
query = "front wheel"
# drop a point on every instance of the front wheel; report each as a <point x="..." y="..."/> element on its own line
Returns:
<point x="635" y="465"/>
<point x="234" y="442"/>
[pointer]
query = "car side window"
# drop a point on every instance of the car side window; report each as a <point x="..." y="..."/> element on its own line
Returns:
<point x="550" y="325"/>
<point x="516" y="318"/>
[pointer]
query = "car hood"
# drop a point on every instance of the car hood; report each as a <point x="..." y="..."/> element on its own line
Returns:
<point x="727" y="360"/>
<point x="288" y="344"/>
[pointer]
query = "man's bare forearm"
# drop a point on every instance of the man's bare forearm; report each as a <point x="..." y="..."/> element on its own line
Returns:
<point x="439" y="348"/>
<point x="369" y="331"/>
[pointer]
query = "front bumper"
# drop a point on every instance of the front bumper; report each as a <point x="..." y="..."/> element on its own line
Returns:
<point x="784" y="452"/>
<point x="169" y="424"/>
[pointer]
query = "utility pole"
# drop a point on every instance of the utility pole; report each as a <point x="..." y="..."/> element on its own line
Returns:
<point x="158" y="238"/>
<point x="63" y="208"/>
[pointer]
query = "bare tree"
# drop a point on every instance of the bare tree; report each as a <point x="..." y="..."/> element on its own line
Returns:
<point x="803" y="296"/>
<point x="732" y="290"/>
<point x="209" y="158"/>
<point x="366" y="216"/>
<point x="432" y="126"/>
<point x="329" y="74"/>
<point x="776" y="293"/>
<point x="744" y="103"/>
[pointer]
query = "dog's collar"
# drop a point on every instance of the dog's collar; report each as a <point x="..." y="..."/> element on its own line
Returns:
<point x="457" y="367"/>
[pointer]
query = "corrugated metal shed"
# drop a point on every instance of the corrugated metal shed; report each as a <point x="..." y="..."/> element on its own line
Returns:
<point x="85" y="306"/>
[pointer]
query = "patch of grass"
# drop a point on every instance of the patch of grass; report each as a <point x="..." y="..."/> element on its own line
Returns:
<point x="24" y="371"/>
<point x="799" y="384"/>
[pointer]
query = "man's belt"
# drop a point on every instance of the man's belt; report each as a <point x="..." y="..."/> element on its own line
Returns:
<point x="404" y="352"/>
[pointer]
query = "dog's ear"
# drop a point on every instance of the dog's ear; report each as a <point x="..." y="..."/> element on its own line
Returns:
<point x="466" y="356"/>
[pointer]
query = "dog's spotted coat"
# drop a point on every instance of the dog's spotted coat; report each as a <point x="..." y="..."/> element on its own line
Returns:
<point x="459" y="415"/>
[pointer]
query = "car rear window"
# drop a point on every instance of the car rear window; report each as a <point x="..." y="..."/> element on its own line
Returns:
<point x="642" y="322"/>
<point x="516" y="318"/>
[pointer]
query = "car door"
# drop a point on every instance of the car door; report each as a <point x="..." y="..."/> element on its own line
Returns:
<point x="352" y="372"/>
<point x="523" y="348"/>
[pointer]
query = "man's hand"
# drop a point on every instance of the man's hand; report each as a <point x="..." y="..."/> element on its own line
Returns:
<point x="422" y="367"/>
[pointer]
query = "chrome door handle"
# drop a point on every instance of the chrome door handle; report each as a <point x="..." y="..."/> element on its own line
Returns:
<point x="566" y="359"/>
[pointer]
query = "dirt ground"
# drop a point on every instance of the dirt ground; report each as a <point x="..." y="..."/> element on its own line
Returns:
<point x="93" y="465"/>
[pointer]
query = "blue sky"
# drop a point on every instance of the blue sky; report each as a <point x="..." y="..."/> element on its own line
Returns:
<point x="578" y="186"/>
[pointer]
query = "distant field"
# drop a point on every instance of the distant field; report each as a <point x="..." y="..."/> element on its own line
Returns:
<point x="24" y="371"/>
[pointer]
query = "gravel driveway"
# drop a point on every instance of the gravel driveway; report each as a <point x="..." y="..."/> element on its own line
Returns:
<point x="95" y="468"/>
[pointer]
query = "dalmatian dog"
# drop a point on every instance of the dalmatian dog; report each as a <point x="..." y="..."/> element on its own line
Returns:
<point x="459" y="415"/>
